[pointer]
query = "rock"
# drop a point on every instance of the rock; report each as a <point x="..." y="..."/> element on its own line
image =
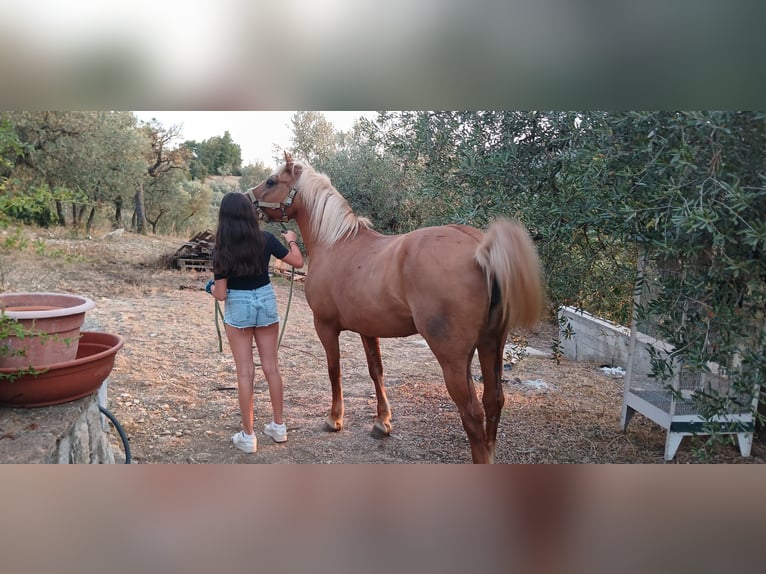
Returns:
<point x="116" y="234"/>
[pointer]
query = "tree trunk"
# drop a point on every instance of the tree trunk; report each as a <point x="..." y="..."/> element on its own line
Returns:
<point x="80" y="213"/>
<point x="154" y="223"/>
<point x="140" y="223"/>
<point x="60" y="213"/>
<point x="118" y="212"/>
<point x="91" y="217"/>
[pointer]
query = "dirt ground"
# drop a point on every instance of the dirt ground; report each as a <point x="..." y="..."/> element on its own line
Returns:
<point x="174" y="392"/>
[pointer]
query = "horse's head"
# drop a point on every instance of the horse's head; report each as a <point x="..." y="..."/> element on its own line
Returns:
<point x="273" y="198"/>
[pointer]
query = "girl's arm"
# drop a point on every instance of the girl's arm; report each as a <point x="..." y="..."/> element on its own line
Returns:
<point x="219" y="288"/>
<point x="295" y="257"/>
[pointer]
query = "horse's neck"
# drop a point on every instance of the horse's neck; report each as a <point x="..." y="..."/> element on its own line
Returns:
<point x="304" y="224"/>
<point x="310" y="239"/>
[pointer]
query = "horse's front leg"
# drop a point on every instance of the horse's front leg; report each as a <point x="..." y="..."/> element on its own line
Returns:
<point x="382" y="425"/>
<point x="328" y="336"/>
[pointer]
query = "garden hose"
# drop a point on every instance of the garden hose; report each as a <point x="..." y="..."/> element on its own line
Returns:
<point x="120" y="430"/>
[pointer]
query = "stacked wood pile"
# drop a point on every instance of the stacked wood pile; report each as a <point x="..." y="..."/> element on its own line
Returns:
<point x="282" y="269"/>
<point x="195" y="253"/>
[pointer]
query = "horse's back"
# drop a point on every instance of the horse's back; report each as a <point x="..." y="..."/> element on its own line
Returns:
<point x="428" y="280"/>
<point x="393" y="285"/>
<point x="443" y="257"/>
<point x="434" y="261"/>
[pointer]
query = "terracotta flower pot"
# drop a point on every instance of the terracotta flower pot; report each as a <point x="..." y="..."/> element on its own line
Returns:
<point x="67" y="381"/>
<point x="54" y="319"/>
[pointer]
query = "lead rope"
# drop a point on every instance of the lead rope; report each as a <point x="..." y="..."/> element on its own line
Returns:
<point x="217" y="313"/>
<point x="289" y="296"/>
<point x="287" y="309"/>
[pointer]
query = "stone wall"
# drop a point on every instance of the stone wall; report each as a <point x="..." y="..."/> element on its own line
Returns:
<point x="72" y="433"/>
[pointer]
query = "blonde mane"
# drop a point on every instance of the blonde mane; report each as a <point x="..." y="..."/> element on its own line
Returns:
<point x="331" y="216"/>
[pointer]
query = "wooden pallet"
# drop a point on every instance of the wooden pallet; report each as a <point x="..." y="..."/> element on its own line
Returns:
<point x="299" y="276"/>
<point x="195" y="254"/>
<point x="195" y="264"/>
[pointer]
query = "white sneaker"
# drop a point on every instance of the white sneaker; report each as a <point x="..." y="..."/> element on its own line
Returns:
<point x="245" y="443"/>
<point x="276" y="432"/>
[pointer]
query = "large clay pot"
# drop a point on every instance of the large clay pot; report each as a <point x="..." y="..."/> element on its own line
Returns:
<point x="63" y="382"/>
<point x="54" y="319"/>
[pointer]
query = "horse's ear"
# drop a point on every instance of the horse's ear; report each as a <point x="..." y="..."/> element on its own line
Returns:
<point x="294" y="168"/>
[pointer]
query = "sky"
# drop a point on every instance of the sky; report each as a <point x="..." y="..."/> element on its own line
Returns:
<point x="256" y="132"/>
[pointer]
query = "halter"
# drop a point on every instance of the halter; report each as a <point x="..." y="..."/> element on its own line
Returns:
<point x="283" y="205"/>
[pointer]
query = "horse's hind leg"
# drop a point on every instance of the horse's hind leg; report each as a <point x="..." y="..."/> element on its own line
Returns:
<point x="491" y="360"/>
<point x="329" y="339"/>
<point x="457" y="377"/>
<point x="382" y="425"/>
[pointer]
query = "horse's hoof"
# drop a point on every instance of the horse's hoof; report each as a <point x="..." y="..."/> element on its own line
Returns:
<point x="331" y="425"/>
<point x="380" y="430"/>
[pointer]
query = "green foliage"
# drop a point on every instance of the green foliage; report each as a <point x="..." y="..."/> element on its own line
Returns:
<point x="374" y="184"/>
<point x="10" y="327"/>
<point x="16" y="240"/>
<point x="252" y="175"/>
<point x="36" y="206"/>
<point x="191" y="210"/>
<point x="314" y="139"/>
<point x="687" y="191"/>
<point x="596" y="190"/>
<point x="99" y="156"/>
<point x="218" y="155"/>
<point x="470" y="167"/>
<point x="10" y="148"/>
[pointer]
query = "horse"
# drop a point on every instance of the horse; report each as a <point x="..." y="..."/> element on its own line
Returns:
<point x="460" y="288"/>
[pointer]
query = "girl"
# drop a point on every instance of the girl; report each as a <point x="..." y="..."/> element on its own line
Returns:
<point x="241" y="279"/>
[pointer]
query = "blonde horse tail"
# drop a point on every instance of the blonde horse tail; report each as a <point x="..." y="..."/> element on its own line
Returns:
<point x="514" y="278"/>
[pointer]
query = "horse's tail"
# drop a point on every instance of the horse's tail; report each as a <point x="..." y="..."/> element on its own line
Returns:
<point x="514" y="278"/>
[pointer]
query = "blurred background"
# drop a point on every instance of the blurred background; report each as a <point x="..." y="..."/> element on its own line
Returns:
<point x="435" y="54"/>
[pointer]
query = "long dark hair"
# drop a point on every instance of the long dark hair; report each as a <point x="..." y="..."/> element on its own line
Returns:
<point x="238" y="238"/>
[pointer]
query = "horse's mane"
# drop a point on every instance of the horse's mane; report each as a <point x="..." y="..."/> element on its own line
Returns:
<point x="331" y="216"/>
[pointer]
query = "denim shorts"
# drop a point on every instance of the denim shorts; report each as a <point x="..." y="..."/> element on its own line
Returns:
<point x="251" y="308"/>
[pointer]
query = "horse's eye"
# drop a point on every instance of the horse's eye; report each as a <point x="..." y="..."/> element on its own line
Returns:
<point x="270" y="182"/>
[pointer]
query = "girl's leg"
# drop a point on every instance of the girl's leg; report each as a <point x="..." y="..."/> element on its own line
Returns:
<point x="241" y="344"/>
<point x="266" y="339"/>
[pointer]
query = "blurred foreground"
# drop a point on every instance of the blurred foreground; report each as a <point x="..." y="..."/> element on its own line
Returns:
<point x="325" y="519"/>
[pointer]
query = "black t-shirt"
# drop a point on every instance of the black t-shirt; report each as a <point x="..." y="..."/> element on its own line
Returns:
<point x="271" y="246"/>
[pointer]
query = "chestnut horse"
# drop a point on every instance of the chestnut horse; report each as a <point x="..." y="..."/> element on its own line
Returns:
<point x="460" y="288"/>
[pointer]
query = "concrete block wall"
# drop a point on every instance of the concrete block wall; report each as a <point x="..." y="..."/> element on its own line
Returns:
<point x="593" y="339"/>
<point x="606" y="343"/>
